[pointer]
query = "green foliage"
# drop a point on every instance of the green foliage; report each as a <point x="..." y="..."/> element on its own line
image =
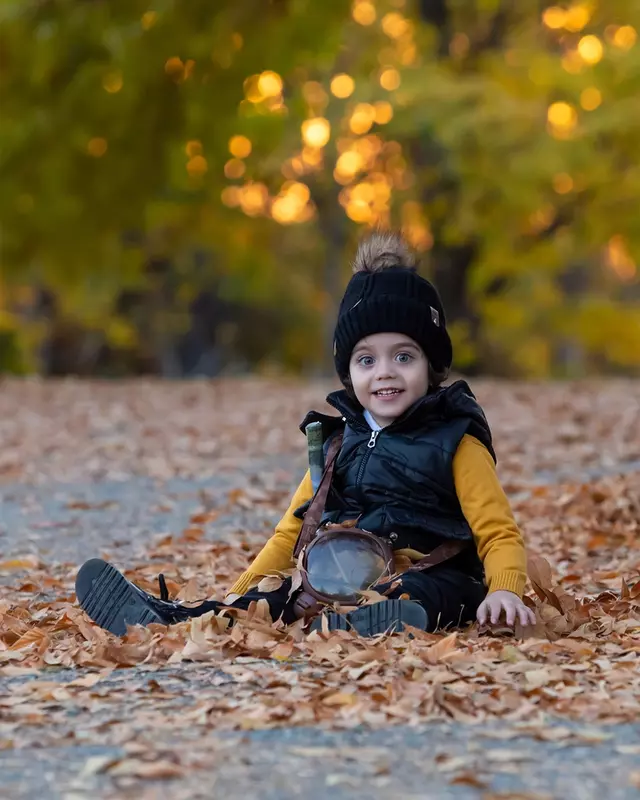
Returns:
<point x="505" y="146"/>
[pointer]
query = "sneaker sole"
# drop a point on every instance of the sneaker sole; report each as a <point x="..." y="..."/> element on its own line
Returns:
<point x="389" y="616"/>
<point x="112" y="602"/>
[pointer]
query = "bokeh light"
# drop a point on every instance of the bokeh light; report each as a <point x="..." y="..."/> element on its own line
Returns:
<point x="254" y="198"/>
<point x="383" y="112"/>
<point x="562" y="118"/>
<point x="390" y="79"/>
<point x="193" y="148"/>
<point x="174" y="67"/>
<point x="590" y="98"/>
<point x="269" y="84"/>
<point x="342" y="85"/>
<point x="577" y="17"/>
<point x="625" y="37"/>
<point x="112" y="82"/>
<point x="316" y="132"/>
<point x="197" y="166"/>
<point x="562" y="183"/>
<point x="590" y="49"/>
<point x="240" y="146"/>
<point x="292" y="205"/>
<point x="363" y="12"/>
<point x="234" y="168"/>
<point x="395" y="25"/>
<point x="554" y="17"/>
<point x="619" y="260"/>
<point x="97" y="146"/>
<point x="362" y="118"/>
<point x="148" y="20"/>
<point x="348" y="164"/>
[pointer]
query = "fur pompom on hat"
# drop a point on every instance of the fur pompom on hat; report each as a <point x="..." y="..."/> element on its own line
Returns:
<point x="387" y="295"/>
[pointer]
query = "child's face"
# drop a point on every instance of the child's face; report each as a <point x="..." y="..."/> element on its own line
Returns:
<point x="389" y="372"/>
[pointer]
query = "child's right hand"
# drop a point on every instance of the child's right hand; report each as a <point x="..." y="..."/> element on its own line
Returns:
<point x="495" y="603"/>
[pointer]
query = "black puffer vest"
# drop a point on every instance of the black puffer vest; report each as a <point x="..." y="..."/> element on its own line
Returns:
<point x="398" y="482"/>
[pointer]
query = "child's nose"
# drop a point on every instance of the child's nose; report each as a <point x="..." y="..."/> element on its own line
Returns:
<point x="385" y="368"/>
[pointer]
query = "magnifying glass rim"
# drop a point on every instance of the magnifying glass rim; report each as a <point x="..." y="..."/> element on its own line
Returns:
<point x="325" y="536"/>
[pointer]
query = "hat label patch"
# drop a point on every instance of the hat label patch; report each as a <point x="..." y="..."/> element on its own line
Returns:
<point x="435" y="316"/>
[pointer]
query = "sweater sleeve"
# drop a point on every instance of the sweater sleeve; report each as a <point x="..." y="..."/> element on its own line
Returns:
<point x="487" y="510"/>
<point x="277" y="554"/>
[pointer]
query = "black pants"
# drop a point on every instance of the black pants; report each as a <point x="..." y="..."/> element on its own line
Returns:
<point x="450" y="597"/>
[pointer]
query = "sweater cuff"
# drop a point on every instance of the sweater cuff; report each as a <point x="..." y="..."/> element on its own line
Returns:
<point x="508" y="581"/>
<point x="245" y="582"/>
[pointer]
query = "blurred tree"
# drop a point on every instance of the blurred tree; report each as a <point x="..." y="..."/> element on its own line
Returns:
<point x="138" y="136"/>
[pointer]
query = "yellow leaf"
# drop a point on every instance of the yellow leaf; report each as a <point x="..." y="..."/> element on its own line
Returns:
<point x="19" y="563"/>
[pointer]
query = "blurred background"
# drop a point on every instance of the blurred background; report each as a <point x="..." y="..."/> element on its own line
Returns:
<point x="184" y="181"/>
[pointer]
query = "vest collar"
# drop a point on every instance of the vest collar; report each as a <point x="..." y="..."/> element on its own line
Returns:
<point x="442" y="403"/>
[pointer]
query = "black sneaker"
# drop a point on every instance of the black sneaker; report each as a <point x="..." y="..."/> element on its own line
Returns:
<point x="113" y="602"/>
<point x="387" y="616"/>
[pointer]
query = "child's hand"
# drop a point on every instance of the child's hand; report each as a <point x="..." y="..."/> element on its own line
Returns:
<point x="496" y="602"/>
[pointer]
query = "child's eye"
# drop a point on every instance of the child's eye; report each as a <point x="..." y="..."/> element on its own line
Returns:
<point x="365" y="361"/>
<point x="404" y="358"/>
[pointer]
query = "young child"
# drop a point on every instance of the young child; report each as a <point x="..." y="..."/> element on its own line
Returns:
<point x="416" y="467"/>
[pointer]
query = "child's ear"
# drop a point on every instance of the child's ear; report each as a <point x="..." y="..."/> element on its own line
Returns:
<point x="435" y="378"/>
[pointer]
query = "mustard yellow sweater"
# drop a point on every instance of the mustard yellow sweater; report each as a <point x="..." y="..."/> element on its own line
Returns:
<point x="483" y="502"/>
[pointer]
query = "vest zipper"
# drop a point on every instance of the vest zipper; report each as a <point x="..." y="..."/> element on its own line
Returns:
<point x="370" y="445"/>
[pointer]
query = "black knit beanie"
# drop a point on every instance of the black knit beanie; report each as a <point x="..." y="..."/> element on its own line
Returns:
<point x="387" y="295"/>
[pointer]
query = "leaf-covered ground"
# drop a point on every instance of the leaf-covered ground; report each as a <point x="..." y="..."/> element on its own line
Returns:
<point x="187" y="479"/>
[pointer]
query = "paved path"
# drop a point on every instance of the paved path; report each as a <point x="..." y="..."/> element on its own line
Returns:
<point x="438" y="761"/>
<point x="435" y="761"/>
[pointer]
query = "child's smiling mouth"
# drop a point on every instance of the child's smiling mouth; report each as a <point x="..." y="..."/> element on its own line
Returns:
<point x="387" y="393"/>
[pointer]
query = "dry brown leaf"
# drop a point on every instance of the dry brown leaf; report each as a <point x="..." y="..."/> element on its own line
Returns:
<point x="339" y="699"/>
<point x="441" y="648"/>
<point x="446" y="763"/>
<point x="87" y="681"/>
<point x="507" y="756"/>
<point x="270" y="584"/>
<point x="30" y="638"/>
<point x="153" y="770"/>
<point x="469" y="779"/>
<point x="371" y="597"/>
<point x="296" y="581"/>
<point x="190" y="592"/>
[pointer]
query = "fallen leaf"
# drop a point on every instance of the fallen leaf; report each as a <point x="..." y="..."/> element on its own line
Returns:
<point x="628" y="749"/>
<point x="507" y="756"/>
<point x="153" y="770"/>
<point x="29" y="562"/>
<point x="270" y="584"/>
<point x="339" y="699"/>
<point x="441" y="648"/>
<point x="469" y="779"/>
<point x="31" y="637"/>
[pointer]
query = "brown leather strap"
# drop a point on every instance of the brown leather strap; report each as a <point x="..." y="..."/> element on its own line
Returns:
<point x="443" y="552"/>
<point x="318" y="501"/>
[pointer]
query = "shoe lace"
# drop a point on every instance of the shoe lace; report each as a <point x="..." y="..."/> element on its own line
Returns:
<point x="166" y="608"/>
<point x="164" y="591"/>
